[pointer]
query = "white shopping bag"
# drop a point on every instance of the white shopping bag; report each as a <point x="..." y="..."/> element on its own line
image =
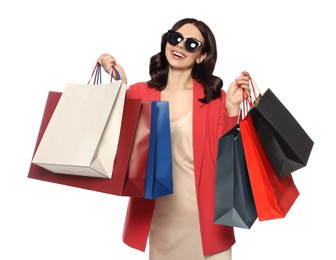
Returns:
<point x="83" y="133"/>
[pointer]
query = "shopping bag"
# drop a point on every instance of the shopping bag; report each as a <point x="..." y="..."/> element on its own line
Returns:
<point x="104" y="185"/>
<point x="82" y="135"/>
<point x="234" y="202"/>
<point x="273" y="196"/>
<point x="285" y="142"/>
<point x="159" y="180"/>
<point x="129" y="170"/>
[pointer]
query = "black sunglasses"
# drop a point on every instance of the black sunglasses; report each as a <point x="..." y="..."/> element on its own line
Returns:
<point x="190" y="44"/>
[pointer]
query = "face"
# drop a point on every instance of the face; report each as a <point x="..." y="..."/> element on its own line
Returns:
<point x="180" y="56"/>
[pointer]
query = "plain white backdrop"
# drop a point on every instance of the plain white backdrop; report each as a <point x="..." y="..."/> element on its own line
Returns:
<point x="288" y="46"/>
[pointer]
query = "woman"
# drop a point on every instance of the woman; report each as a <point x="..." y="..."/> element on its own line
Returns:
<point x="181" y="225"/>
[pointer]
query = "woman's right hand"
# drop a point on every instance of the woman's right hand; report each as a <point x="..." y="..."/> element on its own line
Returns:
<point x="107" y="61"/>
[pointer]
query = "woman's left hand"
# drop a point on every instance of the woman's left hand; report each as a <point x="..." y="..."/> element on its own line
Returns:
<point x="234" y="93"/>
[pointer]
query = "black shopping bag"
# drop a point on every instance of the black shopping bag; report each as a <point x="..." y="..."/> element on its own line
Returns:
<point x="285" y="142"/>
<point x="234" y="202"/>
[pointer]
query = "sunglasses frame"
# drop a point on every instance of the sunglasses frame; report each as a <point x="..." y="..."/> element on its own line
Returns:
<point x="184" y="41"/>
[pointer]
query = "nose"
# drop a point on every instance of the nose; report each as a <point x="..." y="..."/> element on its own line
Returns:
<point x="181" y="45"/>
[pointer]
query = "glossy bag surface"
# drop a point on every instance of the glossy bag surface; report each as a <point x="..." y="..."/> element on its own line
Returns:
<point x="159" y="179"/>
<point x="234" y="202"/>
<point x="285" y="142"/>
<point x="273" y="196"/>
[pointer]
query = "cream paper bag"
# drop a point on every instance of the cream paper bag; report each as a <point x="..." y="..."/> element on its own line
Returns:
<point x="82" y="135"/>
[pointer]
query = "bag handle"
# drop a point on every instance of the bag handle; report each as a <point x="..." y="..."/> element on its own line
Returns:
<point x="245" y="105"/>
<point x="96" y="75"/>
<point x="249" y="99"/>
<point x="256" y="92"/>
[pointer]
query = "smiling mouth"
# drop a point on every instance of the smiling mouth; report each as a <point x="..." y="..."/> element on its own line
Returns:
<point x="178" y="54"/>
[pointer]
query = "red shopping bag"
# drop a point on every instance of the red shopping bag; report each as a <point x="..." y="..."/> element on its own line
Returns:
<point x="129" y="179"/>
<point x="273" y="195"/>
<point x="131" y="113"/>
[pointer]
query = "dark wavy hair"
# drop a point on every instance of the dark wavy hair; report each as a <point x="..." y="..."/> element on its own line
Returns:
<point x="203" y="72"/>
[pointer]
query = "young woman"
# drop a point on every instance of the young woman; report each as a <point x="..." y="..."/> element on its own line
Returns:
<point x="181" y="225"/>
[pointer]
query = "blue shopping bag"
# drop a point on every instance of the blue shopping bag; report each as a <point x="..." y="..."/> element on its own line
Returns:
<point x="159" y="179"/>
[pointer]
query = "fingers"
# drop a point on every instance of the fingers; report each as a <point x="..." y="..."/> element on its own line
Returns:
<point x="104" y="58"/>
<point x="234" y="93"/>
<point x="245" y="73"/>
<point x="107" y="61"/>
<point x="100" y="59"/>
<point x="243" y="83"/>
<point x="243" y="80"/>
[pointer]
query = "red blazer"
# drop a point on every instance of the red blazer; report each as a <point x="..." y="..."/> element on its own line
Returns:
<point x="210" y="121"/>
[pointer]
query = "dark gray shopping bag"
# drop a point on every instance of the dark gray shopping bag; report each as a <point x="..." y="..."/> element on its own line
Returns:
<point x="234" y="202"/>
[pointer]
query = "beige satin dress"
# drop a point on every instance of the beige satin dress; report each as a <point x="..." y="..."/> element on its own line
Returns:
<point x="175" y="231"/>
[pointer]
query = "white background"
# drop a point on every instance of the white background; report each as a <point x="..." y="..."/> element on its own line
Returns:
<point x="288" y="46"/>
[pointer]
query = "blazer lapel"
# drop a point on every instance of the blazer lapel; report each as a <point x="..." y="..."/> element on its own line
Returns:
<point x="200" y="113"/>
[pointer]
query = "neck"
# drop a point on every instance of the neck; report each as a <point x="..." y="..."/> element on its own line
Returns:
<point x="179" y="80"/>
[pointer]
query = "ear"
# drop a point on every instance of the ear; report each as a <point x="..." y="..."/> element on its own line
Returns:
<point x="201" y="58"/>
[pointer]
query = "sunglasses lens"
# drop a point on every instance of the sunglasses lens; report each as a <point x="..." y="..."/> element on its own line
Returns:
<point x="174" y="38"/>
<point x="191" y="45"/>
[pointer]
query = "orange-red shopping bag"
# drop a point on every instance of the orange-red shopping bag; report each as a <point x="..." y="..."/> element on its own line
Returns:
<point x="273" y="195"/>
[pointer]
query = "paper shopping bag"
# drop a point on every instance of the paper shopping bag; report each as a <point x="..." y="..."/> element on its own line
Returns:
<point x="137" y="166"/>
<point x="129" y="170"/>
<point x="234" y="202"/>
<point x="285" y="142"/>
<point x="83" y="132"/>
<point x="273" y="195"/>
<point x="159" y="180"/>
<point x="105" y="185"/>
